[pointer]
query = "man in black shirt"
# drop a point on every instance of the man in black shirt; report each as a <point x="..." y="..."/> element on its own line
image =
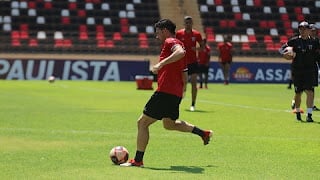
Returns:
<point x="305" y="53"/>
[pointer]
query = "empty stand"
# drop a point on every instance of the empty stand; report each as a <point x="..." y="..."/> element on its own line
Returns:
<point x="79" y="26"/>
<point x="257" y="27"/>
<point x="262" y="25"/>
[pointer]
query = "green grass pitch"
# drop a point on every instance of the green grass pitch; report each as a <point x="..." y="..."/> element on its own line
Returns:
<point x="66" y="129"/>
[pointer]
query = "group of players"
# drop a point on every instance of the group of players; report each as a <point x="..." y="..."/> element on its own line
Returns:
<point x="178" y="60"/>
<point x="304" y="51"/>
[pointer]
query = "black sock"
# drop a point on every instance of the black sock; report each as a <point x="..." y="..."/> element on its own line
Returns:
<point x="197" y="131"/>
<point x="139" y="156"/>
<point x="193" y="103"/>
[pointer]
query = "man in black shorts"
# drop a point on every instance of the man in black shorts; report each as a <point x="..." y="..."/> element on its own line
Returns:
<point x="304" y="68"/>
<point x="164" y="103"/>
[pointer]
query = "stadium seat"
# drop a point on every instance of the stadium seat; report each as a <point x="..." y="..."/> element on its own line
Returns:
<point x="24" y="34"/>
<point x="72" y="5"/>
<point x="101" y="44"/>
<point x="219" y="38"/>
<point x="245" y="47"/>
<point x="283" y="39"/>
<point x="15" y="42"/>
<point x="33" y="42"/>
<point x="83" y="35"/>
<point x="142" y="37"/>
<point x="100" y="35"/>
<point x="267" y="39"/>
<point x="143" y="44"/>
<point x="41" y="35"/>
<point x="109" y="44"/>
<point x="252" y="38"/>
<point x="15" y="35"/>
<point x="117" y="36"/>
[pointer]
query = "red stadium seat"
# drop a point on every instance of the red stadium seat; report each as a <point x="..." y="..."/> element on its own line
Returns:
<point x="15" y="35"/>
<point x="109" y="44"/>
<point x="33" y="42"/>
<point x="232" y="24"/>
<point x="24" y="27"/>
<point x="32" y="5"/>
<point x="24" y="35"/>
<point x="101" y="44"/>
<point x="210" y="37"/>
<point x="280" y="3"/>
<point x="142" y="37"/>
<point x="284" y="17"/>
<point x="100" y="35"/>
<point x="252" y="38"/>
<point x="143" y="44"/>
<point x="223" y="23"/>
<point x="72" y="5"/>
<point x="65" y="20"/>
<point x="83" y="35"/>
<point x="48" y="5"/>
<point x="82" y="13"/>
<point x="67" y="43"/>
<point x="58" y="43"/>
<point x="99" y="28"/>
<point x="257" y="2"/>
<point x="238" y="16"/>
<point x="117" y="36"/>
<point x="263" y="24"/>
<point x="267" y="39"/>
<point x="245" y="47"/>
<point x="283" y="39"/>
<point x="15" y="42"/>
<point x="270" y="47"/>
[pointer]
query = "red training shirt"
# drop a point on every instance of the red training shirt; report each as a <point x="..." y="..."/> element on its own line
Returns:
<point x="225" y="51"/>
<point x="170" y="78"/>
<point x="190" y="41"/>
<point x="203" y="55"/>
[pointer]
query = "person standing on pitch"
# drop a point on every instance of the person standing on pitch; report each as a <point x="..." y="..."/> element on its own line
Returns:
<point x="225" y="58"/>
<point x="304" y="67"/>
<point x="204" y="62"/>
<point x="314" y="35"/>
<point x="190" y="37"/>
<point x="165" y="101"/>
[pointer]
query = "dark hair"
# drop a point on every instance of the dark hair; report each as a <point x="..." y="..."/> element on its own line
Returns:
<point x="166" y="24"/>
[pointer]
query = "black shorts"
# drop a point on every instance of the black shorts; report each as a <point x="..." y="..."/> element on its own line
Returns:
<point x="162" y="105"/>
<point x="304" y="81"/>
<point x="193" y="68"/>
<point x="203" y="68"/>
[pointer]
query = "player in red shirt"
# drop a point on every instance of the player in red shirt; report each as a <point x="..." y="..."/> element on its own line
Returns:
<point x="164" y="103"/>
<point x="225" y="58"/>
<point x="190" y="37"/>
<point x="204" y="62"/>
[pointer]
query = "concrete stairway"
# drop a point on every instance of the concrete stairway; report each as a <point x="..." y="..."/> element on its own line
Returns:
<point x="177" y="9"/>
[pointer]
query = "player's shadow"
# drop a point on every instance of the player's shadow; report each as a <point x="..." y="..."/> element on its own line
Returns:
<point x="187" y="169"/>
<point x="315" y="122"/>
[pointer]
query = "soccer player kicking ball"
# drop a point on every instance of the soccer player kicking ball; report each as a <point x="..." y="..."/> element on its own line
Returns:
<point x="164" y="103"/>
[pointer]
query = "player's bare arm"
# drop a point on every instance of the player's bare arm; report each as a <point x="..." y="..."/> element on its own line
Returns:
<point x="177" y="53"/>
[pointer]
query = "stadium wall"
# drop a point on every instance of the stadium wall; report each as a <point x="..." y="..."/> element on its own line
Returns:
<point x="127" y="69"/>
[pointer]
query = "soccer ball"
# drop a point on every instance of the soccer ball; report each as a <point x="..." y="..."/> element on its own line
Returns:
<point x="51" y="79"/>
<point x="289" y="54"/>
<point x="119" y="155"/>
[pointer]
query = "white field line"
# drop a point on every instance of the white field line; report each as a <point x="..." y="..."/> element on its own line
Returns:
<point x="251" y="107"/>
<point x="86" y="132"/>
<point x="204" y="101"/>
